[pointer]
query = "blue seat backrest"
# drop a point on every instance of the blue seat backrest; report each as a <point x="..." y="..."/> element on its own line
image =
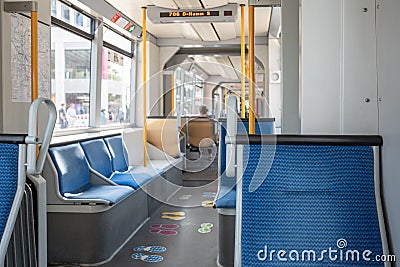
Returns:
<point x="98" y="156"/>
<point x="262" y="127"/>
<point x="8" y="181"/>
<point x="312" y="198"/>
<point x="71" y="166"/>
<point x="119" y="155"/>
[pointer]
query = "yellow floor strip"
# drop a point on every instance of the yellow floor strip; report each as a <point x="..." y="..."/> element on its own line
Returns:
<point x="177" y="213"/>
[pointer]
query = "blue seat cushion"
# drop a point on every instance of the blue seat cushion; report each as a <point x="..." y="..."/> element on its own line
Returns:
<point x="226" y="197"/>
<point x="99" y="157"/>
<point x="135" y="177"/>
<point x="119" y="155"/>
<point x="110" y="193"/>
<point x="8" y="181"/>
<point x="71" y="166"/>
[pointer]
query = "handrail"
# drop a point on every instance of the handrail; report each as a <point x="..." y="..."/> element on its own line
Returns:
<point x="35" y="165"/>
<point x="230" y="133"/>
<point x="314" y="140"/>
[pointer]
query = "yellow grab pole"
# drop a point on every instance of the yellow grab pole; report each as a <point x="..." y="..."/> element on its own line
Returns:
<point x="173" y="94"/>
<point x="34" y="61"/>
<point x="243" y="61"/>
<point x="252" y="118"/>
<point x="34" y="55"/>
<point x="144" y="65"/>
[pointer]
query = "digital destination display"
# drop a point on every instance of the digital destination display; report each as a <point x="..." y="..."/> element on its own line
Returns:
<point x="226" y="13"/>
<point x="188" y="14"/>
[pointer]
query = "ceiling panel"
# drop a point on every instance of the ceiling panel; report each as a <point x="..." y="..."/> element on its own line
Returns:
<point x="215" y="64"/>
<point x="211" y="69"/>
<point x="188" y="32"/>
<point x="188" y="4"/>
<point x="261" y="21"/>
<point x="214" y="3"/>
<point x="225" y="63"/>
<point x="236" y="63"/>
<point x="163" y="3"/>
<point x="205" y="31"/>
<point x="226" y="31"/>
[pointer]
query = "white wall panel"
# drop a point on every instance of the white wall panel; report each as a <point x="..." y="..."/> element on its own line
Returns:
<point x="359" y="68"/>
<point x="321" y="54"/>
<point x="339" y="67"/>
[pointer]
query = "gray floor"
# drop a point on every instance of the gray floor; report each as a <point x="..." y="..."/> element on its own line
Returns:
<point x="188" y="247"/>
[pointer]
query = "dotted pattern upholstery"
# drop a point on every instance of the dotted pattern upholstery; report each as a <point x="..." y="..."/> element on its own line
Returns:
<point x="311" y="197"/>
<point x="8" y="181"/>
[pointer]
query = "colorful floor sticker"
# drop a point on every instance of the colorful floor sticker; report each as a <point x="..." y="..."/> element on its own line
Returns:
<point x="147" y="258"/>
<point x="152" y="249"/>
<point x="165" y="226"/>
<point x="207" y="204"/>
<point x="205" y="228"/>
<point x="177" y="213"/>
<point x="163" y="232"/>
<point x="209" y="194"/>
<point x="173" y="215"/>
<point x="185" y="197"/>
<point x="164" y="229"/>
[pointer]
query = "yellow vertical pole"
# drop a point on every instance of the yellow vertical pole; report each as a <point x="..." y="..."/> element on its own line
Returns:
<point x="173" y="94"/>
<point x="252" y="79"/>
<point x="34" y="61"/>
<point x="144" y="65"/>
<point x="34" y="55"/>
<point x="243" y="61"/>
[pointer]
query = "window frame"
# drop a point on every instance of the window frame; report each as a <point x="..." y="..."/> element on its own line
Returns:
<point x="98" y="40"/>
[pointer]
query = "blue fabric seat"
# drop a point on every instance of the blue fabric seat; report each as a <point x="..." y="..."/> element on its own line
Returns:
<point x="226" y="197"/>
<point x="119" y="155"/>
<point x="135" y="176"/>
<point x="108" y="157"/>
<point x="74" y="176"/>
<point x="312" y="198"/>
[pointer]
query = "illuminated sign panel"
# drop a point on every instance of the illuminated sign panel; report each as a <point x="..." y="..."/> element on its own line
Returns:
<point x="195" y="13"/>
<point x="227" y="13"/>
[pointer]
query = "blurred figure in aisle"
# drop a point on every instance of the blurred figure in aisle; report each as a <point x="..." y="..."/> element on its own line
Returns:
<point x="203" y="111"/>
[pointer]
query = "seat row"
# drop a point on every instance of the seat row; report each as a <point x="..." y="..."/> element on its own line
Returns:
<point x="96" y="201"/>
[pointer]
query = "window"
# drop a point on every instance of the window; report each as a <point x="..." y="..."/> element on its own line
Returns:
<point x="70" y="71"/>
<point x="116" y="78"/>
<point x="72" y="36"/>
<point x="53" y="7"/>
<point x="188" y="91"/>
<point x="65" y="12"/>
<point x="78" y="19"/>
<point x="72" y="17"/>
<point x="77" y="63"/>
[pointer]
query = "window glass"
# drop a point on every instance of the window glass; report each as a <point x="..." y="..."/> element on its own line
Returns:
<point x="117" y="40"/>
<point x="188" y="92"/>
<point x="70" y="84"/>
<point x="71" y="16"/>
<point x="115" y="87"/>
